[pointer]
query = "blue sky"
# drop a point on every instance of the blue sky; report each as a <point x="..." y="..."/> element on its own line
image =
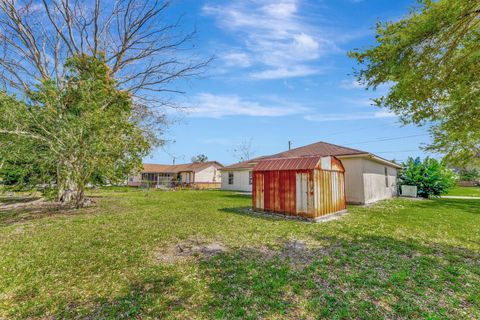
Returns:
<point x="281" y="73"/>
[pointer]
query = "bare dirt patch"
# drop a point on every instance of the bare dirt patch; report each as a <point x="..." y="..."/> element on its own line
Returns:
<point x="188" y="250"/>
<point x="11" y="203"/>
<point x="298" y="253"/>
<point x="14" y="202"/>
<point x="22" y="209"/>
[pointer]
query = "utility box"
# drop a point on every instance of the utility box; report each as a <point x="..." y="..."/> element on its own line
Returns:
<point x="409" y="191"/>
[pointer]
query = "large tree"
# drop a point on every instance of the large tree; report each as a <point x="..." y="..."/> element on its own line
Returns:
<point x="134" y="44"/>
<point x="430" y="60"/>
<point x="64" y="138"/>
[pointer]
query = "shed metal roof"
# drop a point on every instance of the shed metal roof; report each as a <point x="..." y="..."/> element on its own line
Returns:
<point x="299" y="163"/>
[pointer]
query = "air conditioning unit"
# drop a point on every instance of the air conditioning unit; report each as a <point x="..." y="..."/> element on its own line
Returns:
<point x="409" y="191"/>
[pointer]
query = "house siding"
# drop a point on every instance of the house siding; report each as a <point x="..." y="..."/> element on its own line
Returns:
<point x="375" y="187"/>
<point x="210" y="174"/>
<point x="134" y="181"/>
<point x="240" y="180"/>
<point x="354" y="180"/>
<point x="208" y="177"/>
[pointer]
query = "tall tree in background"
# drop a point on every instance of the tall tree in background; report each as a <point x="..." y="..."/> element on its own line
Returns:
<point x="431" y="60"/>
<point x="200" y="158"/>
<point x="244" y="150"/>
<point x="138" y="52"/>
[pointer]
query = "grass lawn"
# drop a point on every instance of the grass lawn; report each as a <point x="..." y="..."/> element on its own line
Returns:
<point x="197" y="255"/>
<point x="465" y="191"/>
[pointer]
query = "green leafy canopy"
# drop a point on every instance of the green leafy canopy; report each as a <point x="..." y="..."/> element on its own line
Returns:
<point x="430" y="60"/>
<point x="74" y="134"/>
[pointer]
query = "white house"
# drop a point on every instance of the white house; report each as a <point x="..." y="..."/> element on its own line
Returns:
<point x="368" y="177"/>
<point x="198" y="175"/>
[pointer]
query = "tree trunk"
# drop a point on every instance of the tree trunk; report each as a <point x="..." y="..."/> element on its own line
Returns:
<point x="71" y="194"/>
<point x="70" y="190"/>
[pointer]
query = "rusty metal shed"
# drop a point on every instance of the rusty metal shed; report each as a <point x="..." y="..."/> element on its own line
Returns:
<point x="309" y="187"/>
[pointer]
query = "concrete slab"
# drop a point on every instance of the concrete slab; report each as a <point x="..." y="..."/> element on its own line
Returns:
<point x="460" y="197"/>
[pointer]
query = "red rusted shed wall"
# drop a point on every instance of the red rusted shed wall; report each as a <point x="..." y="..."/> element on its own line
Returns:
<point x="307" y="193"/>
<point x="274" y="191"/>
<point x="329" y="192"/>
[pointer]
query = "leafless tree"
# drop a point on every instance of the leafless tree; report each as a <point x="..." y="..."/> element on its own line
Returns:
<point x="144" y="47"/>
<point x="244" y="151"/>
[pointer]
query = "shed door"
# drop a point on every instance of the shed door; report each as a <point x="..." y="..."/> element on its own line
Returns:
<point x="302" y="192"/>
<point x="257" y="190"/>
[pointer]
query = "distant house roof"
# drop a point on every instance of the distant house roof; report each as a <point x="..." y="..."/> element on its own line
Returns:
<point x="165" y="168"/>
<point x="320" y="149"/>
<point x="245" y="164"/>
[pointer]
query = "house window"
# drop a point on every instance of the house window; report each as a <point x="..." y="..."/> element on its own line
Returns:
<point x="130" y="179"/>
<point x="250" y="177"/>
<point x="230" y="178"/>
<point x="386" y="177"/>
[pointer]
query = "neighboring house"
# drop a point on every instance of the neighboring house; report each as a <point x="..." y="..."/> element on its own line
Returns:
<point x="199" y="175"/>
<point x="368" y="177"/>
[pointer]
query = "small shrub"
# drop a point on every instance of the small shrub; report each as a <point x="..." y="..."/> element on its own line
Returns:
<point x="431" y="177"/>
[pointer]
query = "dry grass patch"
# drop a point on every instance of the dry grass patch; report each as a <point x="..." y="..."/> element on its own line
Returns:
<point x="189" y="250"/>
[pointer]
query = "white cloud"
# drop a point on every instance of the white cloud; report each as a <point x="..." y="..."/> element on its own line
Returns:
<point x="236" y="59"/>
<point x="275" y="36"/>
<point x="305" y="42"/>
<point x="362" y="101"/>
<point x="219" y="141"/>
<point x="350" y="116"/>
<point x="280" y="9"/>
<point x="208" y="105"/>
<point x="296" y="71"/>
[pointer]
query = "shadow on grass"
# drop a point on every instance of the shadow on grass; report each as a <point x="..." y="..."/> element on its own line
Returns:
<point x="467" y="205"/>
<point x="157" y="294"/>
<point x="15" y="200"/>
<point x="373" y="277"/>
<point x="35" y="211"/>
<point x="247" y="211"/>
<point x="242" y="196"/>
<point x="20" y="215"/>
<point x="367" y="278"/>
